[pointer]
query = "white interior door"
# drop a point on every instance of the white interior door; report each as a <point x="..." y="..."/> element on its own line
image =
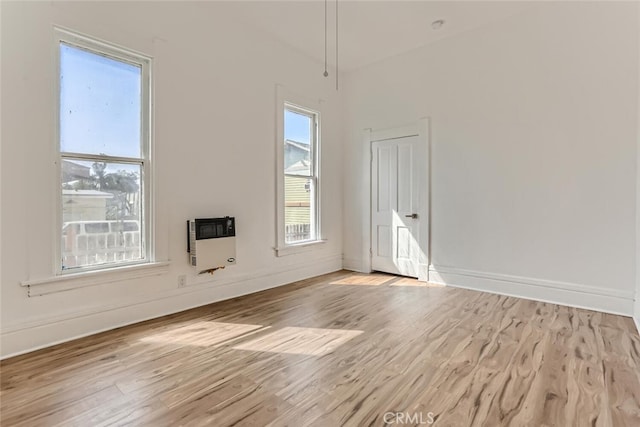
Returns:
<point x="395" y="212"/>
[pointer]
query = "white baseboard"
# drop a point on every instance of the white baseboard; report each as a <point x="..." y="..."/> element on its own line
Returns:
<point x="636" y="319"/>
<point x="25" y="337"/>
<point x="570" y="294"/>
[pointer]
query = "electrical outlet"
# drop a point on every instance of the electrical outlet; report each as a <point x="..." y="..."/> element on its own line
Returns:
<point x="182" y="280"/>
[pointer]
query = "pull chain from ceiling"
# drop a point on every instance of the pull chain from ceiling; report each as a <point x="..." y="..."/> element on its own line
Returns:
<point x="326" y="72"/>
<point x="336" y="44"/>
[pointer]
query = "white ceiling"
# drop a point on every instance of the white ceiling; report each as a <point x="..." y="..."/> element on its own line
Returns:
<point x="368" y="30"/>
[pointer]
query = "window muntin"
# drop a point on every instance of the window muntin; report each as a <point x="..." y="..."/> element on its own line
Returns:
<point x="300" y="175"/>
<point x="103" y="141"/>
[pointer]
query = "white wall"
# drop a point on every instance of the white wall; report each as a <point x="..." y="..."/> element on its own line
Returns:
<point x="637" y="302"/>
<point x="214" y="152"/>
<point x="534" y="123"/>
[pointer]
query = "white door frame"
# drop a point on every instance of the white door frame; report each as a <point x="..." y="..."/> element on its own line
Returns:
<point x="422" y="130"/>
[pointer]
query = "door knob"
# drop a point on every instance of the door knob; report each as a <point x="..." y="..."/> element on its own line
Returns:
<point x="414" y="216"/>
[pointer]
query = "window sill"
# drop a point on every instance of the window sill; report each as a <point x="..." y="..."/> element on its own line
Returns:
<point x="72" y="281"/>
<point x="298" y="247"/>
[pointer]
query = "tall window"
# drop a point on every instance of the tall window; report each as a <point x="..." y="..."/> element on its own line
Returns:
<point x="104" y="154"/>
<point x="300" y="180"/>
<point x="300" y="175"/>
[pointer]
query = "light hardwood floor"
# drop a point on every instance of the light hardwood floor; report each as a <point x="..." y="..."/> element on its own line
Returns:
<point x="340" y="349"/>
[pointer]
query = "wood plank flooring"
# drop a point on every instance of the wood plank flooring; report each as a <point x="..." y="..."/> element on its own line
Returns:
<point x="340" y="349"/>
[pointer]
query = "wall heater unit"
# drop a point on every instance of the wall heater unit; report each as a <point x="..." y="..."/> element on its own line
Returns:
<point x="211" y="242"/>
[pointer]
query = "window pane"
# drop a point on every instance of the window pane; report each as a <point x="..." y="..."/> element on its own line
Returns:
<point x="298" y="130"/>
<point x="299" y="209"/>
<point x="102" y="211"/>
<point x="100" y="104"/>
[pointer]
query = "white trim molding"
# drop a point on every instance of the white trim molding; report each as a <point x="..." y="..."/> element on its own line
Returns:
<point x="37" y="333"/>
<point x="289" y="100"/>
<point x="563" y="293"/>
<point x="65" y="37"/>
<point x="299" y="247"/>
<point x="422" y="129"/>
<point x="69" y="282"/>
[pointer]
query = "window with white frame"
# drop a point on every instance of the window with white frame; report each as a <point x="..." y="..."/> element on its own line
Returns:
<point x="299" y="210"/>
<point x="104" y="147"/>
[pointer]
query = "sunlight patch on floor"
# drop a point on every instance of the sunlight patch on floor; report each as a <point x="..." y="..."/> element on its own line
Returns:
<point x="202" y="334"/>
<point x="295" y="340"/>
<point x="364" y="279"/>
